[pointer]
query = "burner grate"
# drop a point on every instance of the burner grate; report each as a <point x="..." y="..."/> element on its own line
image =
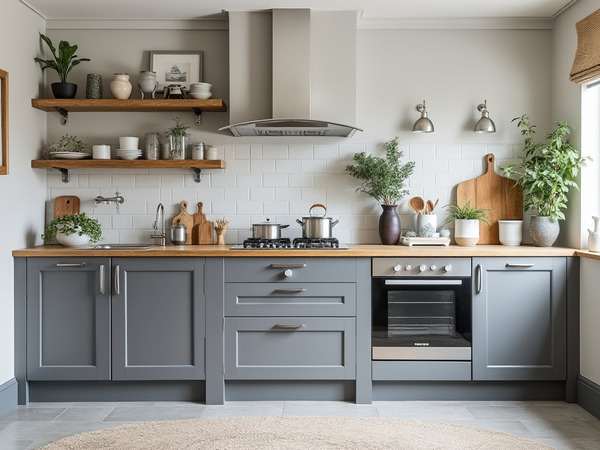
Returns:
<point x="316" y="243"/>
<point x="267" y="243"/>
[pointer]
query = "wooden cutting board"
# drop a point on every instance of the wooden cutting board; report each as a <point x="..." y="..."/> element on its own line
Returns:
<point x="494" y="192"/>
<point x="203" y="231"/>
<point x="66" y="205"/>
<point x="183" y="218"/>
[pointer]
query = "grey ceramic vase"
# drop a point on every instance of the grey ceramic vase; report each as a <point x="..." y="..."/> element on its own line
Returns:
<point x="389" y="225"/>
<point x="542" y="231"/>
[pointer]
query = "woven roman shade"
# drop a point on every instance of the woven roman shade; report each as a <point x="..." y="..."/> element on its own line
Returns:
<point x="586" y="66"/>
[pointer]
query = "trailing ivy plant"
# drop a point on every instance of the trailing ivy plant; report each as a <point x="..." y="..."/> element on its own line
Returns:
<point x="467" y="212"/>
<point x="547" y="170"/>
<point x="382" y="178"/>
<point x="69" y="224"/>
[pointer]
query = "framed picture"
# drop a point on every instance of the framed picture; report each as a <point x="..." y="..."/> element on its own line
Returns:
<point x="4" y="122"/>
<point x="176" y="67"/>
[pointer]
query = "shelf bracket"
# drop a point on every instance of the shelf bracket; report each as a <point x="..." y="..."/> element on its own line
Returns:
<point x="198" y="113"/>
<point x="64" y="173"/>
<point x="64" y="115"/>
<point x="197" y="174"/>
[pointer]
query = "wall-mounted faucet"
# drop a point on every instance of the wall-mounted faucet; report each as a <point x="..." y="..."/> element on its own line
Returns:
<point x="160" y="212"/>
<point x="117" y="199"/>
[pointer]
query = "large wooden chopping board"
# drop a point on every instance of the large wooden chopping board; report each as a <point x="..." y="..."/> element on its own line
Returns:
<point x="66" y="205"/>
<point x="203" y="231"/>
<point x="183" y="218"/>
<point x="494" y="192"/>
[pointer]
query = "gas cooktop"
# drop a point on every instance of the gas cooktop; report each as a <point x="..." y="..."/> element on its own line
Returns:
<point x="288" y="244"/>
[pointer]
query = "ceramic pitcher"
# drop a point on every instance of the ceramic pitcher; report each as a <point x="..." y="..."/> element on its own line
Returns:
<point x="594" y="237"/>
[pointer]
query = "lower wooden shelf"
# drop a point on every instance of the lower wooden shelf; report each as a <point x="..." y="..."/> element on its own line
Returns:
<point x="64" y="165"/>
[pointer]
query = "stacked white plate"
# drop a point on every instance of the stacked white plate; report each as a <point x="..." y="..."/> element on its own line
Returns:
<point x="124" y="153"/>
<point x="200" y="90"/>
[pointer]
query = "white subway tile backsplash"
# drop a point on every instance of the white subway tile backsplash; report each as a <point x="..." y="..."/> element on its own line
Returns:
<point x="120" y="222"/>
<point x="276" y="207"/>
<point x="222" y="209"/>
<point x="237" y="194"/>
<point x="314" y="194"/>
<point x="262" y="166"/>
<point x="446" y="179"/>
<point x="314" y="166"/>
<point x="99" y="180"/>
<point x="288" y="193"/>
<point x="328" y="152"/>
<point x="435" y="165"/>
<point x="147" y="180"/>
<point x="275" y="180"/>
<point x="240" y="152"/>
<point x="460" y="165"/>
<point x="289" y="166"/>
<point x="264" y="194"/>
<point x="275" y="152"/>
<point x="420" y="151"/>
<point x="249" y="180"/>
<point x="247" y="208"/>
<point x="256" y="152"/>
<point x="422" y="180"/>
<point x="222" y="180"/>
<point x="474" y="151"/>
<point x="447" y="151"/>
<point x="301" y="179"/>
<point x="238" y="166"/>
<point x="302" y="152"/>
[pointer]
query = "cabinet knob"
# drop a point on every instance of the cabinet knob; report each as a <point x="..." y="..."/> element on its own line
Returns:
<point x="288" y="273"/>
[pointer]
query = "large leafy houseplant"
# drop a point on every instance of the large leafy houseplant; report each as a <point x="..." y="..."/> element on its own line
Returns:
<point x="79" y="223"/>
<point x="547" y="170"/>
<point x="382" y="178"/>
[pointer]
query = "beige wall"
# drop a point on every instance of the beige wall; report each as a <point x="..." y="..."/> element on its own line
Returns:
<point x="22" y="190"/>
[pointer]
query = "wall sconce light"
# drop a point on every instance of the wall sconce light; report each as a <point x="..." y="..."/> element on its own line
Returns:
<point x="423" y="124"/>
<point x="485" y="124"/>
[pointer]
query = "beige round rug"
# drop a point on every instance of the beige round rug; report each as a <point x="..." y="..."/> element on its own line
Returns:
<point x="294" y="433"/>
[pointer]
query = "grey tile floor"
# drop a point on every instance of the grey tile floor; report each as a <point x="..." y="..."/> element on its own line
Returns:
<point x="560" y="425"/>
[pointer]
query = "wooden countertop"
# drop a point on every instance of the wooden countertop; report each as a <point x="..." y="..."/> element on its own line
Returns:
<point x="354" y="251"/>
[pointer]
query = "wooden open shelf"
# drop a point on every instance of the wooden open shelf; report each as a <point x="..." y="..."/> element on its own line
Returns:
<point x="64" y="165"/>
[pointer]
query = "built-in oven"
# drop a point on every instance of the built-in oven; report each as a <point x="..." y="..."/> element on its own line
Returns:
<point x="421" y="309"/>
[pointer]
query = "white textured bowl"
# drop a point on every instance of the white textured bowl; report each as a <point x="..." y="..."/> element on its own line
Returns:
<point x="200" y="95"/>
<point x="72" y="240"/>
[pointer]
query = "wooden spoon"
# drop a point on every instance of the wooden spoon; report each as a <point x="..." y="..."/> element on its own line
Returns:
<point x="430" y="207"/>
<point x="417" y="205"/>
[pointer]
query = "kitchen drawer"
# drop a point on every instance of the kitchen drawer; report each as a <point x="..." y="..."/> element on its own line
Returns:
<point x="273" y="270"/>
<point x="293" y="299"/>
<point x="290" y="348"/>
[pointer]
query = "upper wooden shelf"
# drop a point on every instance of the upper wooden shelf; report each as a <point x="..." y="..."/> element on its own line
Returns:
<point x="65" y="105"/>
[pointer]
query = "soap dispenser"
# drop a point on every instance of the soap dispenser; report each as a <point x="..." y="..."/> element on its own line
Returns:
<point x="594" y="237"/>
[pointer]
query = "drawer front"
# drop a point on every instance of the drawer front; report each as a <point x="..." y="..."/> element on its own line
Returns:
<point x="290" y="270"/>
<point x="290" y="348"/>
<point x="293" y="299"/>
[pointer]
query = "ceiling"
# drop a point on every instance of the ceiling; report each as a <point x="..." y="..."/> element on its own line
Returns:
<point x="369" y="9"/>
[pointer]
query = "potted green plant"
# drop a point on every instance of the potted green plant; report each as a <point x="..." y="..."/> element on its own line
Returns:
<point x="73" y="230"/>
<point x="546" y="171"/>
<point x="384" y="178"/>
<point x="466" y="222"/>
<point x="63" y="63"/>
<point x="177" y="136"/>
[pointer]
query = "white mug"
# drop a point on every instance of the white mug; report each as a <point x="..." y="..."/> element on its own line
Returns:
<point x="101" y="151"/>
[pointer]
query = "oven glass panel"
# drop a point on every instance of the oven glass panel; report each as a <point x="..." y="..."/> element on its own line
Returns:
<point x="421" y="312"/>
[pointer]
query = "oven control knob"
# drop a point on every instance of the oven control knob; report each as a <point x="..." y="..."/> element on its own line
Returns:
<point x="397" y="268"/>
<point x="433" y="268"/>
<point x="408" y="267"/>
<point x="422" y="268"/>
<point x="288" y="272"/>
<point x="448" y="268"/>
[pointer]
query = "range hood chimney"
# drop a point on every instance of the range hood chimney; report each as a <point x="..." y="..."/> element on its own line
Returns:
<point x="292" y="73"/>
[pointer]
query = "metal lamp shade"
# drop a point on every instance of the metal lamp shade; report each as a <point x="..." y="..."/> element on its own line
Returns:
<point x="485" y="124"/>
<point x="423" y="124"/>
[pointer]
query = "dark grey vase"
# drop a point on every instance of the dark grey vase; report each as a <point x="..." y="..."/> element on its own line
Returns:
<point x="542" y="231"/>
<point x="389" y="225"/>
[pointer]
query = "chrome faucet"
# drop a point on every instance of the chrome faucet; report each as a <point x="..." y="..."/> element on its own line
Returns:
<point x="117" y="199"/>
<point x="160" y="211"/>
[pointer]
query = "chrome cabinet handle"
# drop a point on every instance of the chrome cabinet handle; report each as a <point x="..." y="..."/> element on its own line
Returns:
<point x="102" y="278"/>
<point x="520" y="265"/>
<point x="83" y="264"/>
<point x="478" y="276"/>
<point x="283" y="326"/>
<point x="289" y="291"/>
<point x="117" y="287"/>
<point x="288" y="266"/>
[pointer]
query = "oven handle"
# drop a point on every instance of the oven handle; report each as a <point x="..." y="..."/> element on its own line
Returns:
<point x="478" y="275"/>
<point x="423" y="282"/>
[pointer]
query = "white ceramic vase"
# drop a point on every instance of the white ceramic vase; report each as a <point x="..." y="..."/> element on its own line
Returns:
<point x="466" y="232"/>
<point x="72" y="240"/>
<point x="120" y="86"/>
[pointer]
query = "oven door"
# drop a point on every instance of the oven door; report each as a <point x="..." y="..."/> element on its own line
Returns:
<point x="422" y="319"/>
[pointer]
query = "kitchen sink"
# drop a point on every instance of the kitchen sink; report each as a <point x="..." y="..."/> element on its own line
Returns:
<point x="121" y="247"/>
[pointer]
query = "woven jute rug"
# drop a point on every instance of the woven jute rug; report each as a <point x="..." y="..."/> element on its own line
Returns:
<point x="294" y="433"/>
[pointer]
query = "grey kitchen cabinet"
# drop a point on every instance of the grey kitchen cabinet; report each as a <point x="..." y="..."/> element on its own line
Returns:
<point x="115" y="319"/>
<point x="520" y="318"/>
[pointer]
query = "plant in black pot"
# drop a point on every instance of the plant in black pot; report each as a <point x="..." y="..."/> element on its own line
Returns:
<point x="383" y="178"/>
<point x="63" y="63"/>
<point x="546" y="171"/>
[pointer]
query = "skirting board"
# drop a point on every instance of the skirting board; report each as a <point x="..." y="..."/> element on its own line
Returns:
<point x="588" y="396"/>
<point x="8" y="396"/>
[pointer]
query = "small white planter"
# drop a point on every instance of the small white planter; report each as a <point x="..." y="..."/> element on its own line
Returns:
<point x="510" y="232"/>
<point x="72" y="240"/>
<point x="466" y="232"/>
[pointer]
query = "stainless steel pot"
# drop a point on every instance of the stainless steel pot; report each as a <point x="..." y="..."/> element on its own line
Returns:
<point x="317" y="227"/>
<point x="267" y="230"/>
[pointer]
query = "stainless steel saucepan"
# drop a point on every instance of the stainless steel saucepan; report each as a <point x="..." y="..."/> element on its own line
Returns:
<point x="317" y="227"/>
<point x="267" y="230"/>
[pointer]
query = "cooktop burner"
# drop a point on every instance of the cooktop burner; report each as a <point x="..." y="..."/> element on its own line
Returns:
<point x="285" y="243"/>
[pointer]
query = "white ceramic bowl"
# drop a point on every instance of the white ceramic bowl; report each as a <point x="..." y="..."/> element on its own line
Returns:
<point x="207" y="86"/>
<point x="72" y="240"/>
<point x="129" y="142"/>
<point x="200" y="95"/>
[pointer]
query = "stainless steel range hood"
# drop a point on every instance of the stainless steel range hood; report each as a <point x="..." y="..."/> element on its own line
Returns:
<point x="292" y="73"/>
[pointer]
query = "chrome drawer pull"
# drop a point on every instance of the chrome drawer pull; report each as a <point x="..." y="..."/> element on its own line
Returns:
<point x="289" y="291"/>
<point x="83" y="264"/>
<point x="283" y="326"/>
<point x="520" y="265"/>
<point x="102" y="278"/>
<point x="117" y="283"/>
<point x="478" y="277"/>
<point x="288" y="266"/>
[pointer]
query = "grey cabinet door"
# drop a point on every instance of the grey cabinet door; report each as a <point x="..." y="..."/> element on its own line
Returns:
<point x="158" y="316"/>
<point x="68" y="319"/>
<point x="290" y="348"/>
<point x="519" y="319"/>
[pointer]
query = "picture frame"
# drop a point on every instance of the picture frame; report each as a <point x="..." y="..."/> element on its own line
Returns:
<point x="176" y="67"/>
<point x="3" y="122"/>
